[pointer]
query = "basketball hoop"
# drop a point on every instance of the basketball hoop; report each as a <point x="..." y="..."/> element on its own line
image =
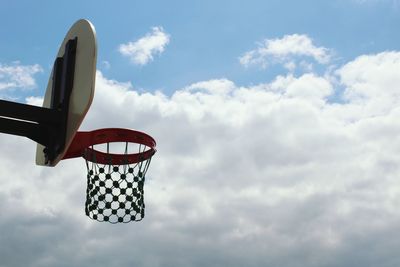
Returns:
<point x="115" y="181"/>
<point x="115" y="177"/>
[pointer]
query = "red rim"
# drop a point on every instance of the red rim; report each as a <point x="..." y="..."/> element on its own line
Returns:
<point x="82" y="143"/>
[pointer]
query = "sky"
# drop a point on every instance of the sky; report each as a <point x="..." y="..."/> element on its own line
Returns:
<point x="276" y="125"/>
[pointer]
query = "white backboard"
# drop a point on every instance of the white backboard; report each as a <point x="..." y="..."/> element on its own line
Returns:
<point x="83" y="86"/>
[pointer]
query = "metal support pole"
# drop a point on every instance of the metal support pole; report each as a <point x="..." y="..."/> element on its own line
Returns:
<point x="29" y="113"/>
<point x="33" y="131"/>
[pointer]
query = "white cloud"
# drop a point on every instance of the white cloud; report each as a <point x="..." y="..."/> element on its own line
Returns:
<point x="17" y="76"/>
<point x="285" y="50"/>
<point x="265" y="175"/>
<point x="308" y="86"/>
<point x="217" y="86"/>
<point x="371" y="84"/>
<point x="372" y="76"/>
<point x="34" y="100"/>
<point x="290" y="66"/>
<point x="143" y="50"/>
<point x="106" y="65"/>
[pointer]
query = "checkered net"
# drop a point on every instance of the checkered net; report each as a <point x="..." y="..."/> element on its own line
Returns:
<point x="115" y="193"/>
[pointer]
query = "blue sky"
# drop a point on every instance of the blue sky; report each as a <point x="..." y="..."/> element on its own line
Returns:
<point x="207" y="37"/>
<point x="276" y="125"/>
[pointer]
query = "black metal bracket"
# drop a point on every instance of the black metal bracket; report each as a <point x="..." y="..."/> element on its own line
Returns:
<point x="46" y="126"/>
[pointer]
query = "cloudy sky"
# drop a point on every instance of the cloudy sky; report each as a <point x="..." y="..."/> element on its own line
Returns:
<point x="276" y="124"/>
